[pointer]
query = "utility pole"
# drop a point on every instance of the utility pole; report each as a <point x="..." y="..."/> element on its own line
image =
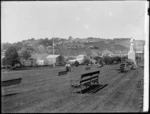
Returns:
<point x="53" y="48"/>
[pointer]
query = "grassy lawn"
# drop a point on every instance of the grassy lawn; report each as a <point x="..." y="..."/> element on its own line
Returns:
<point x="42" y="90"/>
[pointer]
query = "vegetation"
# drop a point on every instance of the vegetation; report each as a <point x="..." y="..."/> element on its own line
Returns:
<point x="98" y="59"/>
<point x="60" y="60"/>
<point x="53" y="92"/>
<point x="117" y="59"/>
<point x="32" y="46"/>
<point x="11" y="56"/>
<point x="5" y="46"/>
<point x="76" y="63"/>
<point x="45" y="42"/>
<point x="86" y="61"/>
<point x="108" y="59"/>
<point x="25" y="54"/>
<point x="4" y="62"/>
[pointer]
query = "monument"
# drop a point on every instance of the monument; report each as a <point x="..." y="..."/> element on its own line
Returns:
<point x="131" y="53"/>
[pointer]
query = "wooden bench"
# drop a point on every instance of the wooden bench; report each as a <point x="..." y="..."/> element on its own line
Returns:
<point x="86" y="80"/>
<point x="11" y="82"/>
<point x="62" y="73"/>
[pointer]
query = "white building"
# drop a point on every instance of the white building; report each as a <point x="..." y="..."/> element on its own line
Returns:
<point x="51" y="59"/>
<point x="40" y="62"/>
<point x="79" y="58"/>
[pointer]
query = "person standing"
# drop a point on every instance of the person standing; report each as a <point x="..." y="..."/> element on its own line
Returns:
<point x="67" y="67"/>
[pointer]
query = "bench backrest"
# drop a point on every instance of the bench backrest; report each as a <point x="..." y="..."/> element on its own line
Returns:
<point x="89" y="76"/>
<point x="11" y="82"/>
<point x="62" y="73"/>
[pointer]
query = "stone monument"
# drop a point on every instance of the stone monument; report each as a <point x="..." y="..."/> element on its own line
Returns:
<point x="131" y="53"/>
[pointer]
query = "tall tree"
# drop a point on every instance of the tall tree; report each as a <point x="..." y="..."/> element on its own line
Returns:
<point x="25" y="53"/>
<point x="11" y="56"/>
<point x="70" y="38"/>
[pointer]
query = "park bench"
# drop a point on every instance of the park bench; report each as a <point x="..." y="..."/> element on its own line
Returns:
<point x="86" y="81"/>
<point x="62" y="73"/>
<point x="11" y="82"/>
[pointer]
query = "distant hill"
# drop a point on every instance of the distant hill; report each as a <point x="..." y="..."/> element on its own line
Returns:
<point x="125" y="43"/>
<point x="92" y="52"/>
<point x="109" y="46"/>
<point x="64" y="47"/>
<point x="73" y="52"/>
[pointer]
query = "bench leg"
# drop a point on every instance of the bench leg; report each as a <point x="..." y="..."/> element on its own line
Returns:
<point x="80" y="89"/>
<point x="97" y="82"/>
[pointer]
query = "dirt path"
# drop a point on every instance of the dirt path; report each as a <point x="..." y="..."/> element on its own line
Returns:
<point x="53" y="93"/>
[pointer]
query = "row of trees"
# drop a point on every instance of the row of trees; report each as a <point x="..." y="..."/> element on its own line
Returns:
<point x="32" y="43"/>
<point x="12" y="57"/>
<point x="104" y="59"/>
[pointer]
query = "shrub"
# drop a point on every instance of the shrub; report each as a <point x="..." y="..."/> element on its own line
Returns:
<point x="117" y="59"/>
<point x="76" y="63"/>
<point x="60" y="61"/>
<point x="98" y="59"/>
<point x="86" y="61"/>
<point x="108" y="59"/>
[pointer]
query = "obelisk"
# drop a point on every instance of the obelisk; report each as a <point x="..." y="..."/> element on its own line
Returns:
<point x="131" y="53"/>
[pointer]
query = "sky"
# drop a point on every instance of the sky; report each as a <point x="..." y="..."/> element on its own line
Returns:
<point x="79" y="19"/>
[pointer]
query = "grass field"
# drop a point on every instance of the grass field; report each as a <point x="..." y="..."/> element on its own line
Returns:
<point x="43" y="90"/>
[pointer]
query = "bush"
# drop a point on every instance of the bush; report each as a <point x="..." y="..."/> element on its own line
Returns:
<point x="124" y="58"/>
<point x="76" y="63"/>
<point x="98" y="59"/>
<point x="86" y="61"/>
<point x="60" y="61"/>
<point x="108" y="60"/>
<point x="117" y="59"/>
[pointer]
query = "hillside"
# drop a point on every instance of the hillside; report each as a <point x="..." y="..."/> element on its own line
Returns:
<point x="125" y="43"/>
<point x="67" y="48"/>
<point x="74" y="52"/>
<point x="109" y="46"/>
